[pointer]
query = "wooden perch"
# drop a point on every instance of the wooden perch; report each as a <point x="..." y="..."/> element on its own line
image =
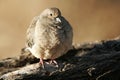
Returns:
<point x="88" y="61"/>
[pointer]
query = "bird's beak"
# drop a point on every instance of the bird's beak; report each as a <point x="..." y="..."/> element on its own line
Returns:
<point x="58" y="20"/>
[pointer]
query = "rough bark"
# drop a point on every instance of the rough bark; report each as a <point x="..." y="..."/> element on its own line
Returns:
<point x="88" y="61"/>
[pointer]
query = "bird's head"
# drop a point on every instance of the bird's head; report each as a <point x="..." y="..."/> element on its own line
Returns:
<point x="52" y="14"/>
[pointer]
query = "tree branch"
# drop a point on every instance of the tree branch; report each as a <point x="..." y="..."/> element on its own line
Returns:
<point x="89" y="61"/>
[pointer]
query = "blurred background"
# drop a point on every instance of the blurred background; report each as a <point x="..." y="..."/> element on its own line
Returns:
<point x="91" y="20"/>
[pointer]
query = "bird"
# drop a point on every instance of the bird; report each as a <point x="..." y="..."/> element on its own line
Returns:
<point x="49" y="35"/>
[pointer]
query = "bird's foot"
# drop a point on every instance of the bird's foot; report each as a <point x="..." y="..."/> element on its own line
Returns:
<point x="53" y="62"/>
<point x="41" y="63"/>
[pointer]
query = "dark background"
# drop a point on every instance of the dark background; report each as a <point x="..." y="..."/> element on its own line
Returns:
<point x="92" y="20"/>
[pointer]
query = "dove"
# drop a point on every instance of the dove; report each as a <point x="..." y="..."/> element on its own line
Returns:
<point x="49" y="35"/>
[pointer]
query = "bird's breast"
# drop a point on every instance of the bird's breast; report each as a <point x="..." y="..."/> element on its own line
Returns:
<point x="48" y="37"/>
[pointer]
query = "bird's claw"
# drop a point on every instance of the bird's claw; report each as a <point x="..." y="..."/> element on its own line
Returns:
<point x="53" y="62"/>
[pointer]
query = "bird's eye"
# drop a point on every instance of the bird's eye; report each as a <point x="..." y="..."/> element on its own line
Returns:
<point x="50" y="14"/>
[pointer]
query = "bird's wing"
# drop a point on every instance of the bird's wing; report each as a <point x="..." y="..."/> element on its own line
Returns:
<point x="67" y="27"/>
<point x="68" y="32"/>
<point x="30" y="32"/>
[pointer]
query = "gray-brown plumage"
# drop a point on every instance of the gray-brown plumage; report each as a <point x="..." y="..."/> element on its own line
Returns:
<point x="49" y="36"/>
